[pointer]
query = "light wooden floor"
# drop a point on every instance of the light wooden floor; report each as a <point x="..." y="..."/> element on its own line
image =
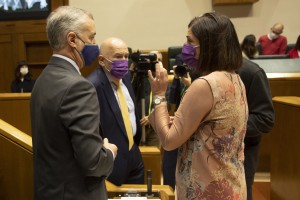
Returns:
<point x="262" y="187"/>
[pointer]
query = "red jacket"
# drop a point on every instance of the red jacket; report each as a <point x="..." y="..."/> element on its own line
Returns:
<point x="293" y="53"/>
<point x="273" y="47"/>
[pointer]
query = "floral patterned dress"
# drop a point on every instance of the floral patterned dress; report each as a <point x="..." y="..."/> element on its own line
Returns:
<point x="210" y="158"/>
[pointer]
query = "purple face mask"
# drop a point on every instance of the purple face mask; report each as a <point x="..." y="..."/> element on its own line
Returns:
<point x="119" y="68"/>
<point x="188" y="55"/>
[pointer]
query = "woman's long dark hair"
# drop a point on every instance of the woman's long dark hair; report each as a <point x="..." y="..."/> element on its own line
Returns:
<point x="219" y="45"/>
<point x="249" y="46"/>
<point x="298" y="43"/>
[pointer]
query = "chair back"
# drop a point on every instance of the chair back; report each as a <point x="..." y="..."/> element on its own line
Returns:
<point x="289" y="47"/>
<point x="173" y="51"/>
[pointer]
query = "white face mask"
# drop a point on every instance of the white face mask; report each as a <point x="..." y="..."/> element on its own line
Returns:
<point x="273" y="36"/>
<point x="24" y="70"/>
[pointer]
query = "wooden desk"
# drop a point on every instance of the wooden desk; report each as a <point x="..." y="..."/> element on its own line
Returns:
<point x="152" y="160"/>
<point x="281" y="84"/>
<point x="279" y="65"/>
<point x="165" y="191"/>
<point x="15" y="110"/>
<point x="285" y="154"/>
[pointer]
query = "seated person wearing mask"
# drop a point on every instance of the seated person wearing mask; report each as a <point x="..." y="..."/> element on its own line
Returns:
<point x="273" y="43"/>
<point x="23" y="78"/>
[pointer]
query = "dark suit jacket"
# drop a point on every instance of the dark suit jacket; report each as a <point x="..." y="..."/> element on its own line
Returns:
<point x="70" y="161"/>
<point x="261" y="115"/>
<point x="112" y="123"/>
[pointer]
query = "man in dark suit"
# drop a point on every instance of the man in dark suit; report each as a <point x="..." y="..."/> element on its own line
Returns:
<point x="71" y="161"/>
<point x="108" y="78"/>
<point x="261" y="116"/>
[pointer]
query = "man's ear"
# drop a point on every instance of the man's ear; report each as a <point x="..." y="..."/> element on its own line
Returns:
<point x="101" y="60"/>
<point x="71" y="36"/>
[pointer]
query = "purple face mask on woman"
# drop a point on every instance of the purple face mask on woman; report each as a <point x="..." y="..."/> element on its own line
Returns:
<point x="188" y="55"/>
<point x="119" y="68"/>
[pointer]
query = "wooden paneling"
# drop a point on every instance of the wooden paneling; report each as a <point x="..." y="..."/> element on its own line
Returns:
<point x="285" y="154"/>
<point x="37" y="52"/>
<point x="6" y="64"/>
<point x="232" y="2"/>
<point x="23" y="40"/>
<point x="285" y="87"/>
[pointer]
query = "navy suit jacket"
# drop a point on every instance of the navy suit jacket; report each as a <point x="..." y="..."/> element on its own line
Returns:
<point x="112" y="123"/>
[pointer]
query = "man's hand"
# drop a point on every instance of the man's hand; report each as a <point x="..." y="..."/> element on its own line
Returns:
<point x="110" y="146"/>
<point x="144" y="121"/>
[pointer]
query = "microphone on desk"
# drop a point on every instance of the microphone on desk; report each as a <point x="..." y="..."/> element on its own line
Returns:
<point x="149" y="183"/>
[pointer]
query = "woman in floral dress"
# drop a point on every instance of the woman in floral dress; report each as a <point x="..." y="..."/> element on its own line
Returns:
<point x="210" y="124"/>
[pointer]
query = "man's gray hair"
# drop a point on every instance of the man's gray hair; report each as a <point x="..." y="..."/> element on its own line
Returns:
<point x="63" y="20"/>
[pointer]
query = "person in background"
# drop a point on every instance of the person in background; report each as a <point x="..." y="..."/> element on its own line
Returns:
<point x="151" y="138"/>
<point x="295" y="52"/>
<point x="261" y="116"/>
<point x="210" y="124"/>
<point x="273" y="43"/>
<point x="23" y="78"/>
<point x="249" y="48"/>
<point x="71" y="161"/>
<point x="118" y="112"/>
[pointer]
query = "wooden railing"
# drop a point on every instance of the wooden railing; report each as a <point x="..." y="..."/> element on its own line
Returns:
<point x="16" y="167"/>
<point x="16" y="163"/>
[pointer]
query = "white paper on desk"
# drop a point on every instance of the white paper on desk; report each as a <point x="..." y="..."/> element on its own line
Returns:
<point x="134" y="198"/>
